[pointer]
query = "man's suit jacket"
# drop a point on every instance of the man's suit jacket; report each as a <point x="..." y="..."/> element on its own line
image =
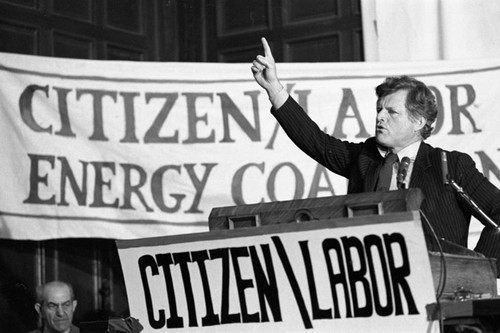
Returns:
<point x="448" y="214"/>
<point x="73" y="329"/>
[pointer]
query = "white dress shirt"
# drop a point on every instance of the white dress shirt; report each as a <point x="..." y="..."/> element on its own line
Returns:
<point x="410" y="152"/>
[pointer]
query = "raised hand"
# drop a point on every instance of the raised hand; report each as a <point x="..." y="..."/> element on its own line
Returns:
<point x="264" y="71"/>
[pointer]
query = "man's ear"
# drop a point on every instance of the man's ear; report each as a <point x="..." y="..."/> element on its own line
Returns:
<point x="38" y="308"/>
<point x="75" y="303"/>
<point x="420" y="123"/>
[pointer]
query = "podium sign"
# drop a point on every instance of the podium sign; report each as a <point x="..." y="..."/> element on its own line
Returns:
<point x="342" y="274"/>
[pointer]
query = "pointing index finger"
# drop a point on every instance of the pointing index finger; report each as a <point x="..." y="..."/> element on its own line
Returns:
<point x="267" y="49"/>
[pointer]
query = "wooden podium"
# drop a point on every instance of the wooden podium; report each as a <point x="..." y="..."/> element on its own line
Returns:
<point x="307" y="210"/>
<point x="469" y="292"/>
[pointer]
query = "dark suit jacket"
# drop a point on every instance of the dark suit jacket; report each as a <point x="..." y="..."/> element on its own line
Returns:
<point x="73" y="329"/>
<point x="448" y="214"/>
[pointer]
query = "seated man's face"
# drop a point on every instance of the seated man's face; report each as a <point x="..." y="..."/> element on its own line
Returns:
<point x="57" y="309"/>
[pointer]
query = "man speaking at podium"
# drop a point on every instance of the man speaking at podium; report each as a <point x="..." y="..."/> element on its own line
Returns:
<point x="406" y="109"/>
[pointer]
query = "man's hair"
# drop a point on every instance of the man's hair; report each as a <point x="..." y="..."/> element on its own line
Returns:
<point x="420" y="100"/>
<point x="40" y="290"/>
<point x="40" y="299"/>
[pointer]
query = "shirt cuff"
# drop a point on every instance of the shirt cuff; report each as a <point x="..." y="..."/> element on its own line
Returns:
<point x="279" y="99"/>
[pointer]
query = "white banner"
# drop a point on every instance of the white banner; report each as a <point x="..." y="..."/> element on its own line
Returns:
<point x="361" y="275"/>
<point x="132" y="149"/>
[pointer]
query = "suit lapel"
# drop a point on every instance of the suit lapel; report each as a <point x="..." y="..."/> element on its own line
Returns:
<point x="373" y="167"/>
<point x="371" y="175"/>
<point x="422" y="163"/>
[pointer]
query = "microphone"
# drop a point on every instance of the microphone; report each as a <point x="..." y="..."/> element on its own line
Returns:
<point x="402" y="171"/>
<point x="444" y="168"/>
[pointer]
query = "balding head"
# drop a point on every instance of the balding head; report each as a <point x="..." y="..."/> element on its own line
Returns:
<point x="56" y="305"/>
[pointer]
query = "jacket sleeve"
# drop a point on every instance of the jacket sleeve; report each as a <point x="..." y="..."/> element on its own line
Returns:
<point x="487" y="197"/>
<point x="336" y="155"/>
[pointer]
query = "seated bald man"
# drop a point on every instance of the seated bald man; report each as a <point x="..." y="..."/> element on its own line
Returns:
<point x="55" y="305"/>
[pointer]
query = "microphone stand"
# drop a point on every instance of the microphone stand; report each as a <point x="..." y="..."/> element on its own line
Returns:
<point x="486" y="220"/>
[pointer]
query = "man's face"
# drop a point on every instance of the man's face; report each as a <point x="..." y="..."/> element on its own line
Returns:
<point x="57" y="309"/>
<point x="394" y="127"/>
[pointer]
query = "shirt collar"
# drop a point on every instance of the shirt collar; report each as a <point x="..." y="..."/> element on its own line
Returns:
<point x="408" y="151"/>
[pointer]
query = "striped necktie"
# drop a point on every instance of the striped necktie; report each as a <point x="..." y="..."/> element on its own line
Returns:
<point x="385" y="175"/>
